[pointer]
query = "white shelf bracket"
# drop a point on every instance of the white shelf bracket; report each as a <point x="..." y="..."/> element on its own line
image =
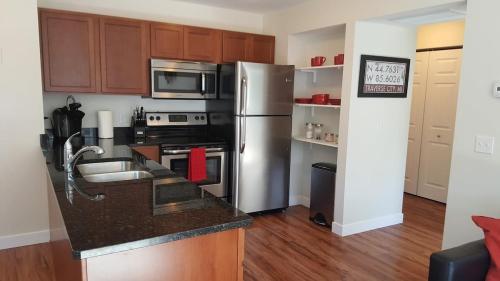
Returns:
<point x="314" y="76"/>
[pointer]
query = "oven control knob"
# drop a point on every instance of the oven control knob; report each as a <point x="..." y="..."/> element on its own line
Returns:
<point x="152" y="118"/>
<point x="202" y="117"/>
<point x="158" y="118"/>
<point x="196" y="118"/>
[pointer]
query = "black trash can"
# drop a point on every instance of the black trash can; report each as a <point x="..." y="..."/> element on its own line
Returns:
<point x="322" y="193"/>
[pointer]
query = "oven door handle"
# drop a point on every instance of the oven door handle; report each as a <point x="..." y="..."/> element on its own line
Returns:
<point x="185" y="151"/>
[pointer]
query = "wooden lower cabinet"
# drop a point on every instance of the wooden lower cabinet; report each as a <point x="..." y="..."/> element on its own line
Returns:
<point x="212" y="257"/>
<point x="150" y="151"/>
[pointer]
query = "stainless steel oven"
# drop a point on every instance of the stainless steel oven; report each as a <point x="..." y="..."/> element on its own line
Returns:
<point x="216" y="182"/>
<point x="183" y="80"/>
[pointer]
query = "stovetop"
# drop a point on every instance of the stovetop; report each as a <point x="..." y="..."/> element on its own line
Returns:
<point x="180" y="130"/>
<point x="187" y="141"/>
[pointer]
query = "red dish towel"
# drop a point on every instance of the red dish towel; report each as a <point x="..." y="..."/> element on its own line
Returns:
<point x="197" y="168"/>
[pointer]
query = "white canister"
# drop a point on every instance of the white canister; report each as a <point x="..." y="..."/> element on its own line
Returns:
<point x="105" y="124"/>
<point x="309" y="130"/>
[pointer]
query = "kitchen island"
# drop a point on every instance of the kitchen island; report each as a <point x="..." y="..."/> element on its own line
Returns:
<point x="157" y="228"/>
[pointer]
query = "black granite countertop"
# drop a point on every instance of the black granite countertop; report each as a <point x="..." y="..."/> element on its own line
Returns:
<point x="135" y="213"/>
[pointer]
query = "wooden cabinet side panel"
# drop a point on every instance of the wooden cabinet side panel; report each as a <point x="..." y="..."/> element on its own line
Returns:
<point x="212" y="257"/>
<point x="70" y="51"/>
<point x="152" y="152"/>
<point x="65" y="266"/>
<point x="241" y="253"/>
<point x="124" y="56"/>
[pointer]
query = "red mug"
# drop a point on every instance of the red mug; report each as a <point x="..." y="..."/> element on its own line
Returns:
<point x="318" y="61"/>
<point x="339" y="59"/>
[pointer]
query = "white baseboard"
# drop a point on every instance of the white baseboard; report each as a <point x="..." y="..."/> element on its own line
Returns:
<point x="299" y="200"/>
<point x="366" y="225"/>
<point x="24" y="239"/>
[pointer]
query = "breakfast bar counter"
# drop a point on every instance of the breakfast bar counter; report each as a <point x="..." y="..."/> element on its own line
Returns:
<point x="158" y="228"/>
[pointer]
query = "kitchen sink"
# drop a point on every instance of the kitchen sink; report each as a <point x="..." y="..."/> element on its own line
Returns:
<point x="118" y="176"/>
<point x="105" y="167"/>
<point x="112" y="171"/>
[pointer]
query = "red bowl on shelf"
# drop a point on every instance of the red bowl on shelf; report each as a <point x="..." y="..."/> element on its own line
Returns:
<point x="334" y="101"/>
<point x="303" y="100"/>
<point x="320" y="98"/>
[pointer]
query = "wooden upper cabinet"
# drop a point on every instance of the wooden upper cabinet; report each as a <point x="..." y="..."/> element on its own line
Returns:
<point x="167" y="41"/>
<point x="70" y="51"/>
<point x="202" y="44"/>
<point x="124" y="56"/>
<point x="235" y="46"/>
<point x="262" y="49"/>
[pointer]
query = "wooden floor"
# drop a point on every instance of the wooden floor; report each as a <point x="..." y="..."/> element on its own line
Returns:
<point x="287" y="246"/>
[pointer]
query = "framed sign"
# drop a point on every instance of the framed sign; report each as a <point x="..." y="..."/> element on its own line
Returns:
<point x="383" y="77"/>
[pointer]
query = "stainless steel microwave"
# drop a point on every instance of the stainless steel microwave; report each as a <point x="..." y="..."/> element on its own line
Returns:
<point x="183" y="80"/>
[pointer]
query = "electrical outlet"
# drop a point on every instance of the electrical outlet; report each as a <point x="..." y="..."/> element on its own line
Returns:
<point x="484" y="144"/>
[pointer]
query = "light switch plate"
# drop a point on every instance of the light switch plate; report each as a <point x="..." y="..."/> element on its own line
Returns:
<point x="484" y="144"/>
<point x="496" y="89"/>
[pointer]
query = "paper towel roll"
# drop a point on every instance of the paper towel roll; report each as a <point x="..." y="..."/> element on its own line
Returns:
<point x="108" y="146"/>
<point x="105" y="124"/>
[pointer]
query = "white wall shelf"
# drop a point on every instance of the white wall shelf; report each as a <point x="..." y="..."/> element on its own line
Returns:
<point x="318" y="105"/>
<point x="313" y="141"/>
<point x="314" y="69"/>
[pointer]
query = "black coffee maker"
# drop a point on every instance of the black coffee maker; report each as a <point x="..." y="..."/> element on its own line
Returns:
<point x="67" y="120"/>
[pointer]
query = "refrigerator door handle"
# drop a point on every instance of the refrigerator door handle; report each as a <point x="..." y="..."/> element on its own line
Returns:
<point x="243" y="98"/>
<point x="243" y="111"/>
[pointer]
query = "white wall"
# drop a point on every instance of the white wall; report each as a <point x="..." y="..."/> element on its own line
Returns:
<point x="443" y="34"/>
<point x="156" y="10"/>
<point x="164" y="11"/>
<point x="324" y="42"/>
<point x="371" y="160"/>
<point x="23" y="200"/>
<point x="474" y="187"/>
<point x="316" y="14"/>
<point x="374" y="138"/>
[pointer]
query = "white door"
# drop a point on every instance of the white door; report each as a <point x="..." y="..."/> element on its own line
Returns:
<point x="416" y="121"/>
<point x="439" y="123"/>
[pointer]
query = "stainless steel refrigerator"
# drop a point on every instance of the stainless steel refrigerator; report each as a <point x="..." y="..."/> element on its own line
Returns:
<point x="261" y="101"/>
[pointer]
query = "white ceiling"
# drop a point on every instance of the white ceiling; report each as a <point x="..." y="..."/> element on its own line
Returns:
<point x="443" y="13"/>
<point x="253" y="6"/>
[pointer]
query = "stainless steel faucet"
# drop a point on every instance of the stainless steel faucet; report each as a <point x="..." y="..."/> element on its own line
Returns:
<point x="70" y="159"/>
<point x="69" y="164"/>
